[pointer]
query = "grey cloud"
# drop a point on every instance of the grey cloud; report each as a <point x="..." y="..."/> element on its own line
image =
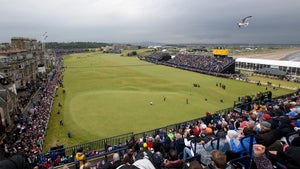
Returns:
<point x="170" y="21"/>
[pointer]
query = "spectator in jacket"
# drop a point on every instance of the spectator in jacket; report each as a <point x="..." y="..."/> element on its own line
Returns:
<point x="243" y="147"/>
<point x="172" y="160"/>
<point x="289" y="156"/>
<point x="266" y="136"/>
<point x="218" y="160"/>
<point x="260" y="159"/>
<point x="80" y="156"/>
<point x="15" y="162"/>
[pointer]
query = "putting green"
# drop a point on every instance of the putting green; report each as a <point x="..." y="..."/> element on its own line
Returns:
<point x="99" y="106"/>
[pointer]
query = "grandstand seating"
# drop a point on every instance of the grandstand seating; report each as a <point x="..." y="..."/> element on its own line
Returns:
<point x="203" y="64"/>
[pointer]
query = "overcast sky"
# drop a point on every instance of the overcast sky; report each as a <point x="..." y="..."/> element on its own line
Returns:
<point x="166" y="21"/>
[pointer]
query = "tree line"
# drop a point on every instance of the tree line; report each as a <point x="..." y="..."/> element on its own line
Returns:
<point x="74" y="45"/>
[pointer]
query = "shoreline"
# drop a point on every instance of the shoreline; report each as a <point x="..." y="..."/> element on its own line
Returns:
<point x="285" y="54"/>
<point x="292" y="57"/>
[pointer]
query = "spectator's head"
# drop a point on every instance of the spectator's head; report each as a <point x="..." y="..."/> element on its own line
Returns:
<point x="251" y="124"/>
<point x="218" y="159"/>
<point x="266" y="116"/>
<point x="116" y="157"/>
<point x="292" y="115"/>
<point x="224" y="124"/>
<point x="157" y="160"/>
<point x="247" y="131"/>
<point x="276" y="107"/>
<point x="195" y="165"/>
<point x="177" y="136"/>
<point x="170" y="135"/>
<point x="145" y="146"/>
<point x="253" y="116"/>
<point x="126" y="159"/>
<point x="87" y="165"/>
<point x="203" y="126"/>
<point x="265" y="126"/>
<point x="173" y="155"/>
<point x="157" y="139"/>
<point x="80" y="150"/>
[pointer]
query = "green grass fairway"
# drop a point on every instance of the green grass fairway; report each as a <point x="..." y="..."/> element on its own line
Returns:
<point x="108" y="95"/>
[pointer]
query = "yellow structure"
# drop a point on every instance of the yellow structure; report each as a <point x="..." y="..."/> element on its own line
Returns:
<point x="220" y="51"/>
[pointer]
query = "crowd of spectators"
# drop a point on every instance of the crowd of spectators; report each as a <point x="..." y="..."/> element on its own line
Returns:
<point x="31" y="122"/>
<point x="158" y="57"/>
<point x="203" y="64"/>
<point x="25" y="97"/>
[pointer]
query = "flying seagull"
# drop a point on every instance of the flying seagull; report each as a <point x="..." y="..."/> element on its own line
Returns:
<point x="244" y="22"/>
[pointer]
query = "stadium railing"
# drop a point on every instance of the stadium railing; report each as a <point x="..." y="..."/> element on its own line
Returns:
<point x="101" y="145"/>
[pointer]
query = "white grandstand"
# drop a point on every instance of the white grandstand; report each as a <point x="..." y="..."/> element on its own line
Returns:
<point x="291" y="67"/>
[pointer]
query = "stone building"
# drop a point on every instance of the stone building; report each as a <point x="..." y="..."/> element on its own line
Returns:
<point x="24" y="60"/>
<point x="20" y="65"/>
<point x="8" y="105"/>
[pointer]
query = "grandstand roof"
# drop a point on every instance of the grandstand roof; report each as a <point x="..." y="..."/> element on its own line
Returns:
<point x="270" y="62"/>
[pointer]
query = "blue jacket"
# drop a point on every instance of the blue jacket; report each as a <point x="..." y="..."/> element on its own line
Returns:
<point x="244" y="146"/>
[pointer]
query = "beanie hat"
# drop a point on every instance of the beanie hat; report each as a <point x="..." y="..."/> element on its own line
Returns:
<point x="209" y="130"/>
<point x="266" y="116"/>
<point x="266" y="125"/>
<point x="293" y="114"/>
<point x="170" y="135"/>
<point x="203" y="126"/>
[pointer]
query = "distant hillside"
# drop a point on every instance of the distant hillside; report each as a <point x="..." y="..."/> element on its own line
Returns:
<point x="74" y="45"/>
